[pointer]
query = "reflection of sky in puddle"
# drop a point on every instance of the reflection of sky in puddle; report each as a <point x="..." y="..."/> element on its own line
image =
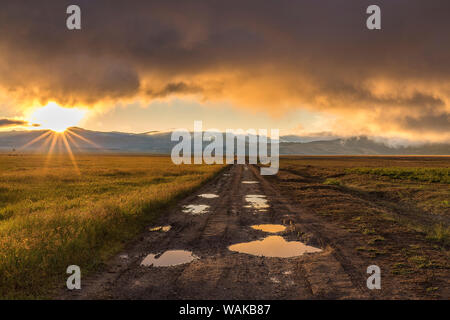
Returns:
<point x="195" y="208"/>
<point x="256" y="201"/>
<point x="274" y="246"/>
<point x="274" y="280"/>
<point x="271" y="228"/>
<point x="208" y="195"/>
<point x="161" y="228"/>
<point x="250" y="182"/>
<point x="168" y="258"/>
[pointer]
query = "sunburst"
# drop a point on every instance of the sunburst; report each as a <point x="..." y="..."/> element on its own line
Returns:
<point x="58" y="135"/>
<point x="64" y="141"/>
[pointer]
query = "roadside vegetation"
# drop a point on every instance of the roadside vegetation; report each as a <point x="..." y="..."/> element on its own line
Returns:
<point x="52" y="217"/>
<point x="394" y="212"/>
<point x="439" y="175"/>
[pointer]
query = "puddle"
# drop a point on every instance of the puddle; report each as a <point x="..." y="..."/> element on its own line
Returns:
<point x="123" y="256"/>
<point x="250" y="182"/>
<point x="271" y="228"/>
<point x="196" y="209"/>
<point x="273" y="246"/>
<point x="256" y="201"/>
<point x="168" y="258"/>
<point x="208" y="195"/>
<point x="274" y="280"/>
<point x="161" y="228"/>
<point x="227" y="174"/>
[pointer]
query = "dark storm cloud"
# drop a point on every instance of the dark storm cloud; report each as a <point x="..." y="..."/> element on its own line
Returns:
<point x="174" y="88"/>
<point x="271" y="54"/>
<point x="15" y="123"/>
<point x="438" y="122"/>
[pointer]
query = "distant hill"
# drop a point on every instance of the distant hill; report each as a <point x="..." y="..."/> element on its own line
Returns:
<point x="159" y="143"/>
<point x="360" y="146"/>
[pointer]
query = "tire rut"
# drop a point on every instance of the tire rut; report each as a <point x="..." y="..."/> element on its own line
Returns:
<point x="220" y="273"/>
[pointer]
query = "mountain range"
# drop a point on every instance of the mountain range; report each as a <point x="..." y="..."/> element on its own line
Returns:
<point x="155" y="142"/>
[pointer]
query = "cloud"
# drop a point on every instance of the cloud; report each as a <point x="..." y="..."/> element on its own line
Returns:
<point x="174" y="88"/>
<point x="433" y="122"/>
<point x="15" y="123"/>
<point x="271" y="55"/>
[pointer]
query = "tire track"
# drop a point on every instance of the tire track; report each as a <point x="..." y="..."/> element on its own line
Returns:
<point x="221" y="273"/>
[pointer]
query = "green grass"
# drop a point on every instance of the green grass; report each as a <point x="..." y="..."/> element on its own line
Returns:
<point x="332" y="181"/>
<point x="372" y="252"/>
<point x="439" y="233"/>
<point x="375" y="240"/>
<point x="439" y="175"/>
<point x="51" y="217"/>
<point x="401" y="268"/>
<point x="368" y="231"/>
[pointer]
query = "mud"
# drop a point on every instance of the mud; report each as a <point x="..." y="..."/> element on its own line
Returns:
<point x="283" y="270"/>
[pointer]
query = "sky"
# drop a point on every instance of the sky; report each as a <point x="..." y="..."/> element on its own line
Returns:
<point x="306" y="66"/>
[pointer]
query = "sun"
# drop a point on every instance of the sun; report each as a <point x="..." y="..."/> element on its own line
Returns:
<point x="56" y="118"/>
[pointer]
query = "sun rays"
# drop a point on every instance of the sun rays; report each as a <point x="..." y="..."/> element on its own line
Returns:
<point x="58" y="136"/>
<point x="53" y="142"/>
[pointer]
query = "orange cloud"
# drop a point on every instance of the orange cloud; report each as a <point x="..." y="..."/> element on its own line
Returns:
<point x="273" y="56"/>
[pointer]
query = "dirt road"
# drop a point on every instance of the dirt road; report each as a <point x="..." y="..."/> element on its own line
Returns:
<point x="213" y="271"/>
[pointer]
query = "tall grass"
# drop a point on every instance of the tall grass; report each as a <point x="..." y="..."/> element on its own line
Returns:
<point x="50" y="219"/>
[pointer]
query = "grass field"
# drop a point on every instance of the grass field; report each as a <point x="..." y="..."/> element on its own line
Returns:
<point x="418" y="184"/>
<point x="440" y="175"/>
<point x="395" y="210"/>
<point x="51" y="216"/>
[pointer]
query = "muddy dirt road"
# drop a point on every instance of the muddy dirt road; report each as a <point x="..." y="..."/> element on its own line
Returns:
<point x="221" y="214"/>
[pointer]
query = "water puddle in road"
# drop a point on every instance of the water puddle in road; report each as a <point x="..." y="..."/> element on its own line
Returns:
<point x="256" y="201"/>
<point x="161" y="228"/>
<point x="208" y="195"/>
<point x="196" y="209"/>
<point x="250" y="182"/>
<point x="274" y="280"/>
<point x="169" y="258"/>
<point x="270" y="228"/>
<point x="274" y="246"/>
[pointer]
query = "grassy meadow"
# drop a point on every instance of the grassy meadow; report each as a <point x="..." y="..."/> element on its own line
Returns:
<point x="416" y="186"/>
<point x="53" y="216"/>
<point x="439" y="175"/>
<point x="391" y="211"/>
